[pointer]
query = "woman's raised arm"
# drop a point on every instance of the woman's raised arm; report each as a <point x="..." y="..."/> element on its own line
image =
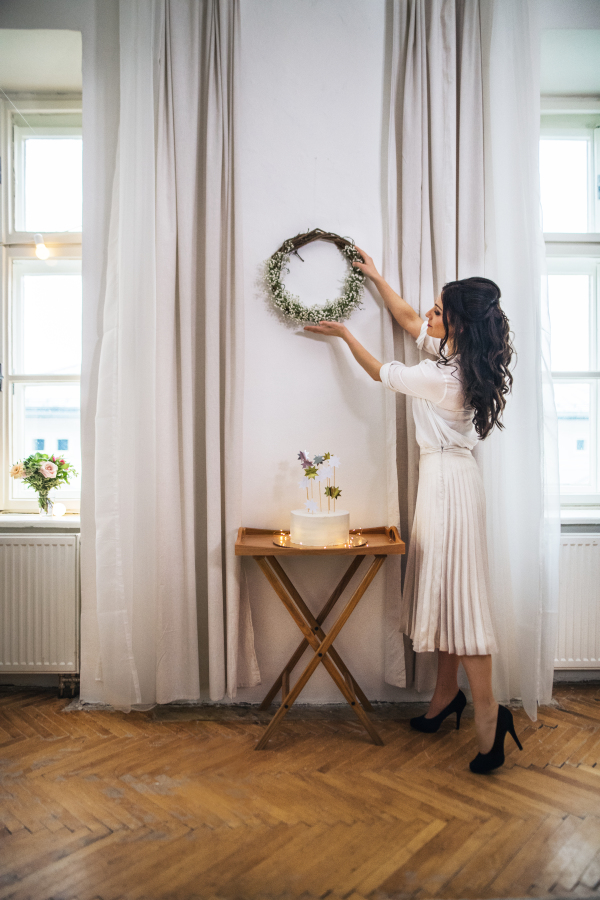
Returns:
<point x="360" y="354"/>
<point x="402" y="311"/>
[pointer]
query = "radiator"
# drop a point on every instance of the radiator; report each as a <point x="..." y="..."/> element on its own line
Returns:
<point x="39" y="603"/>
<point x="578" y="643"/>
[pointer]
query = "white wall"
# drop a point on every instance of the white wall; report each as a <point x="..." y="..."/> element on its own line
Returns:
<point x="32" y="59"/>
<point x="570" y="61"/>
<point x="311" y="156"/>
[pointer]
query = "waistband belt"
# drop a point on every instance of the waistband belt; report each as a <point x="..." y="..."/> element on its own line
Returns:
<point x="456" y="451"/>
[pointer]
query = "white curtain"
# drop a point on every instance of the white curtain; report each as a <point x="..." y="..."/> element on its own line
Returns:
<point x="165" y="463"/>
<point x="463" y="200"/>
<point x="521" y="466"/>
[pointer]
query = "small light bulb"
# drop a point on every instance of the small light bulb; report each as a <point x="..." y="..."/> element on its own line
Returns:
<point x="59" y="509"/>
<point x="41" y="251"/>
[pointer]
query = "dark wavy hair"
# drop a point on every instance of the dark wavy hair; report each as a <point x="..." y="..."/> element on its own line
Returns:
<point x="481" y="347"/>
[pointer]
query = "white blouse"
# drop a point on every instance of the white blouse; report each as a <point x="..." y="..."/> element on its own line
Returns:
<point x="441" y="419"/>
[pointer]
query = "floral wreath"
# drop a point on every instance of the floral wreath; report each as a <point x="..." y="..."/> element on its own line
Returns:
<point x="290" y="305"/>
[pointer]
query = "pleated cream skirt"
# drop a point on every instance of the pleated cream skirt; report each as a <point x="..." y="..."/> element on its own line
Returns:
<point x="445" y="603"/>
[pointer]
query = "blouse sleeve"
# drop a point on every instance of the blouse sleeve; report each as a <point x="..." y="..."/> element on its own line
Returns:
<point x="425" y="380"/>
<point x="426" y="343"/>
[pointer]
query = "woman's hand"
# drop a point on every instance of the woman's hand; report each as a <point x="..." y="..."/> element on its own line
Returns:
<point x="368" y="267"/>
<point x="336" y="329"/>
<point x="403" y="313"/>
<point x="362" y="356"/>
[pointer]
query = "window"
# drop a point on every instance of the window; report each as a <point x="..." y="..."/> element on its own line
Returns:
<point x="43" y="379"/>
<point x="41" y="341"/>
<point x="569" y="170"/>
<point x="47" y="172"/>
<point x="570" y="189"/>
<point x="573" y="301"/>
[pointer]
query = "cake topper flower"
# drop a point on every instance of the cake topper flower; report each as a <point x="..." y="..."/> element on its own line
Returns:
<point x="305" y="461"/>
<point x="316" y="471"/>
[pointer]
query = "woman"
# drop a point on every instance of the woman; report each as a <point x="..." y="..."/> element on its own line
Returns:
<point x="457" y="401"/>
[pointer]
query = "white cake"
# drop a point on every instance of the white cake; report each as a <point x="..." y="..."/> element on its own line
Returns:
<point x="322" y="529"/>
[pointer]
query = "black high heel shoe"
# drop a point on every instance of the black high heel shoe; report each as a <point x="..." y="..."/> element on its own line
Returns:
<point x="485" y="762"/>
<point x="429" y="726"/>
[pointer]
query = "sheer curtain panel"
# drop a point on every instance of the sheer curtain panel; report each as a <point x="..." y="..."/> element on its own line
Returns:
<point x="463" y="201"/>
<point x="520" y="465"/>
<point x="168" y="416"/>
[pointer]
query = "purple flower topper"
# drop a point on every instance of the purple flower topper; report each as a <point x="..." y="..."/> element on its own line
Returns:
<point x="304" y="460"/>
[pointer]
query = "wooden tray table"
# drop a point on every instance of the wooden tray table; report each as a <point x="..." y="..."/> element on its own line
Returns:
<point x="259" y="543"/>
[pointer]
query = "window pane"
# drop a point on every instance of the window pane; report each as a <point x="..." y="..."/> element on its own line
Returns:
<point x="564" y="184"/>
<point x="45" y="416"/>
<point x="574" y="434"/>
<point x="47" y="329"/>
<point x="53" y="184"/>
<point x="569" y="301"/>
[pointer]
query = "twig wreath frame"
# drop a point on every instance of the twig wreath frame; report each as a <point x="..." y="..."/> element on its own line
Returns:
<point x="333" y="310"/>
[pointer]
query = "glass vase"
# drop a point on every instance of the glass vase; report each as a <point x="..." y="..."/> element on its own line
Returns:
<point x="46" y="505"/>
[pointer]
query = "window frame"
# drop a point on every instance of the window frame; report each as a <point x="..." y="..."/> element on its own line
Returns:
<point x="10" y="503"/>
<point x="579" y="246"/>
<point x="63" y="265"/>
<point x="48" y="104"/>
<point x="20" y="135"/>
<point x="18" y="244"/>
<point x="589" y="266"/>
<point x="547" y="132"/>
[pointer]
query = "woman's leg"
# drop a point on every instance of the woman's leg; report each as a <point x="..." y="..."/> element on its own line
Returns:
<point x="479" y="673"/>
<point x="446" y="686"/>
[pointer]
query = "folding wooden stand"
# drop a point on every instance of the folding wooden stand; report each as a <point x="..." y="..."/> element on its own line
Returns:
<point x="259" y="543"/>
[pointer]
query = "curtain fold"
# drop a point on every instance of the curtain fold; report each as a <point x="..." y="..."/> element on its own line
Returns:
<point x="520" y="466"/>
<point x="435" y="234"/>
<point x="168" y="421"/>
<point x="462" y="201"/>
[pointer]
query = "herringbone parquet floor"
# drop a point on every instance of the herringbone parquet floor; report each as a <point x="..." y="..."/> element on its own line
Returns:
<point x="99" y="805"/>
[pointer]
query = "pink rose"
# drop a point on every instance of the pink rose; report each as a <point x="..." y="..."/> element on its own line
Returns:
<point x="48" y="469"/>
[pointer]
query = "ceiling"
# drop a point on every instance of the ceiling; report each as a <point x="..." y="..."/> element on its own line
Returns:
<point x="40" y="60"/>
<point x="570" y="61"/>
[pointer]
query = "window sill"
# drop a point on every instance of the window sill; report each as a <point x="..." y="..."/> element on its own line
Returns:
<point x="575" y="237"/>
<point x="34" y="523"/>
<point x="572" y="245"/>
<point x="580" y="519"/>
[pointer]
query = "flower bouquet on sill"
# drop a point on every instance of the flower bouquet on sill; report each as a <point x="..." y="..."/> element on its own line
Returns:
<point x="43" y="473"/>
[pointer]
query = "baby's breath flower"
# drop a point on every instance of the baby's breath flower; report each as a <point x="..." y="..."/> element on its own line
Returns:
<point x="333" y="310"/>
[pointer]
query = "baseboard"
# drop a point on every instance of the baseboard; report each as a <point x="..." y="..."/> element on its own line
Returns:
<point x="576" y="676"/>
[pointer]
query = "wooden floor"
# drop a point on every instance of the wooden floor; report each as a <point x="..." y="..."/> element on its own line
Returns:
<point x="171" y="804"/>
